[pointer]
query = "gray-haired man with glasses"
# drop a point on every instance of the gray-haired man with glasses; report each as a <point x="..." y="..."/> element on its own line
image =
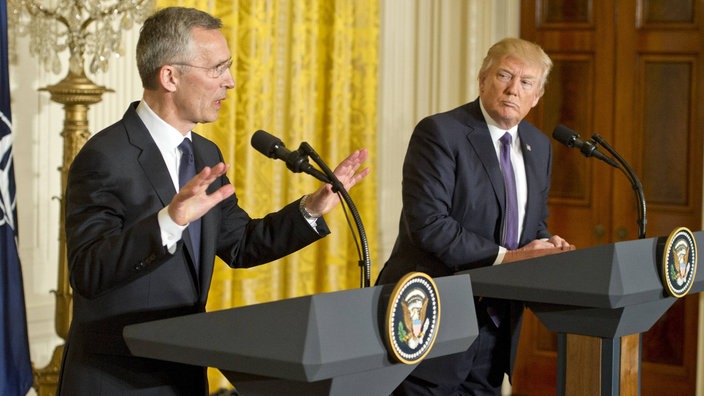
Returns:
<point x="140" y="247"/>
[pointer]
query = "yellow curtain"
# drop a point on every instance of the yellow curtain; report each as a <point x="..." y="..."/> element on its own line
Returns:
<point x="305" y="70"/>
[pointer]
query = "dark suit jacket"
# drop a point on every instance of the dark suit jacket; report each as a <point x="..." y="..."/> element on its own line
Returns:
<point x="453" y="196"/>
<point x="120" y="272"/>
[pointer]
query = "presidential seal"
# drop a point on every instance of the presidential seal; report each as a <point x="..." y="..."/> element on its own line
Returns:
<point x="679" y="262"/>
<point x="412" y="318"/>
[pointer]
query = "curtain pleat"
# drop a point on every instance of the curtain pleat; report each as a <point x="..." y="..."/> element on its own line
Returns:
<point x="305" y="71"/>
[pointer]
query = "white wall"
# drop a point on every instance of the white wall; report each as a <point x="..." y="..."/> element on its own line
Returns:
<point x="430" y="53"/>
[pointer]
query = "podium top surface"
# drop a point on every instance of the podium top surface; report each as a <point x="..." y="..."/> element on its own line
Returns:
<point x="306" y="338"/>
<point x="606" y="276"/>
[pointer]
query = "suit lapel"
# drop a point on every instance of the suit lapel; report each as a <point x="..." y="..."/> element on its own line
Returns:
<point x="533" y="179"/>
<point x="150" y="158"/>
<point x="479" y="138"/>
<point x="208" y="223"/>
<point x="154" y="168"/>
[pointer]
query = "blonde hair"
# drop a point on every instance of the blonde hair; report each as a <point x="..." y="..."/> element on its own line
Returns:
<point x="523" y="50"/>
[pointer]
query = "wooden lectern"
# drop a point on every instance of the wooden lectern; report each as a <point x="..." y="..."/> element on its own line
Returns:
<point x="603" y="293"/>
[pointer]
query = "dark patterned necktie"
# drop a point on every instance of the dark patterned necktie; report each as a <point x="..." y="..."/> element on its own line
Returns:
<point x="186" y="171"/>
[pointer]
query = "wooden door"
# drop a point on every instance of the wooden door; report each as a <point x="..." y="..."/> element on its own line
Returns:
<point x="630" y="71"/>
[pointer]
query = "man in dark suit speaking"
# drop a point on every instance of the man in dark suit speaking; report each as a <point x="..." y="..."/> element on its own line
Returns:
<point x="475" y="193"/>
<point x="149" y="206"/>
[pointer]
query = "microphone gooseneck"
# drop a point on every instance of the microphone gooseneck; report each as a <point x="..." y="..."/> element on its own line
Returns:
<point x="589" y="148"/>
<point x="365" y="259"/>
<point x="297" y="161"/>
<point x="635" y="183"/>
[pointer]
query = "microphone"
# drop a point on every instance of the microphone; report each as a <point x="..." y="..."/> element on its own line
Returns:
<point x="297" y="161"/>
<point x="273" y="147"/>
<point x="589" y="148"/>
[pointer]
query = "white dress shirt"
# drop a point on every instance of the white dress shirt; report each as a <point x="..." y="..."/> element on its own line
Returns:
<point x="519" y="169"/>
<point x="167" y="139"/>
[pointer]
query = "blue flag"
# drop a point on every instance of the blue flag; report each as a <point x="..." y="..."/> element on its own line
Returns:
<point x="15" y="366"/>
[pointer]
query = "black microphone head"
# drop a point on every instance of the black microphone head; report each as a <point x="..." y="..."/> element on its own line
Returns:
<point x="266" y="143"/>
<point x="565" y="135"/>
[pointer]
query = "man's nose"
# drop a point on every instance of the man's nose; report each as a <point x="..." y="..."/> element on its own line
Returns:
<point x="229" y="81"/>
<point x="513" y="86"/>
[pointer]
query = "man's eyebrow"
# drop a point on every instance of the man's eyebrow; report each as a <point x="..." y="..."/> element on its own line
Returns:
<point x="501" y="69"/>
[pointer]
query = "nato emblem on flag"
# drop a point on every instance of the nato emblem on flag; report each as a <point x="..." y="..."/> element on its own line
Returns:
<point x="15" y="365"/>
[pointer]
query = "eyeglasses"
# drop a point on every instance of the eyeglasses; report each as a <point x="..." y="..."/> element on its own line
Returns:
<point x="214" y="71"/>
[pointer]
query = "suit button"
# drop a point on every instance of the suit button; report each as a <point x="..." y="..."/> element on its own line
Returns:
<point x="139" y="266"/>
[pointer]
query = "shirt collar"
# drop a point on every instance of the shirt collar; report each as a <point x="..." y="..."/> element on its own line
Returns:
<point x="165" y="136"/>
<point x="496" y="131"/>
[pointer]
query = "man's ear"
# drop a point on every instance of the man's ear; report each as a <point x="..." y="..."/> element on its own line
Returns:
<point x="168" y="77"/>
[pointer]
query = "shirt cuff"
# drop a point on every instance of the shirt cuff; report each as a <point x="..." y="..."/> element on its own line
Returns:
<point x="312" y="220"/>
<point x="500" y="256"/>
<point x="171" y="232"/>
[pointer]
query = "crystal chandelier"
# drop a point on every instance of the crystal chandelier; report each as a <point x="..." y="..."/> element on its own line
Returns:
<point x="89" y="29"/>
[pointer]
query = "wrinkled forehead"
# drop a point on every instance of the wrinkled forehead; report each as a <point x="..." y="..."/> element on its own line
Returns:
<point x="520" y="66"/>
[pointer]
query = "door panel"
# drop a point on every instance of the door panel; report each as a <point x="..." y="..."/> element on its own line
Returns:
<point x="631" y="71"/>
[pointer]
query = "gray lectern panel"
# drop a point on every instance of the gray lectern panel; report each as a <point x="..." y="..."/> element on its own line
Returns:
<point x="337" y="338"/>
<point x="607" y="291"/>
<point x="601" y="322"/>
<point x="381" y="381"/>
<point x="698" y="285"/>
<point x="606" y="276"/>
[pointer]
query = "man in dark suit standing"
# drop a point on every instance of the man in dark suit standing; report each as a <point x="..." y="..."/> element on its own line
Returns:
<point x="461" y="211"/>
<point x="140" y="247"/>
